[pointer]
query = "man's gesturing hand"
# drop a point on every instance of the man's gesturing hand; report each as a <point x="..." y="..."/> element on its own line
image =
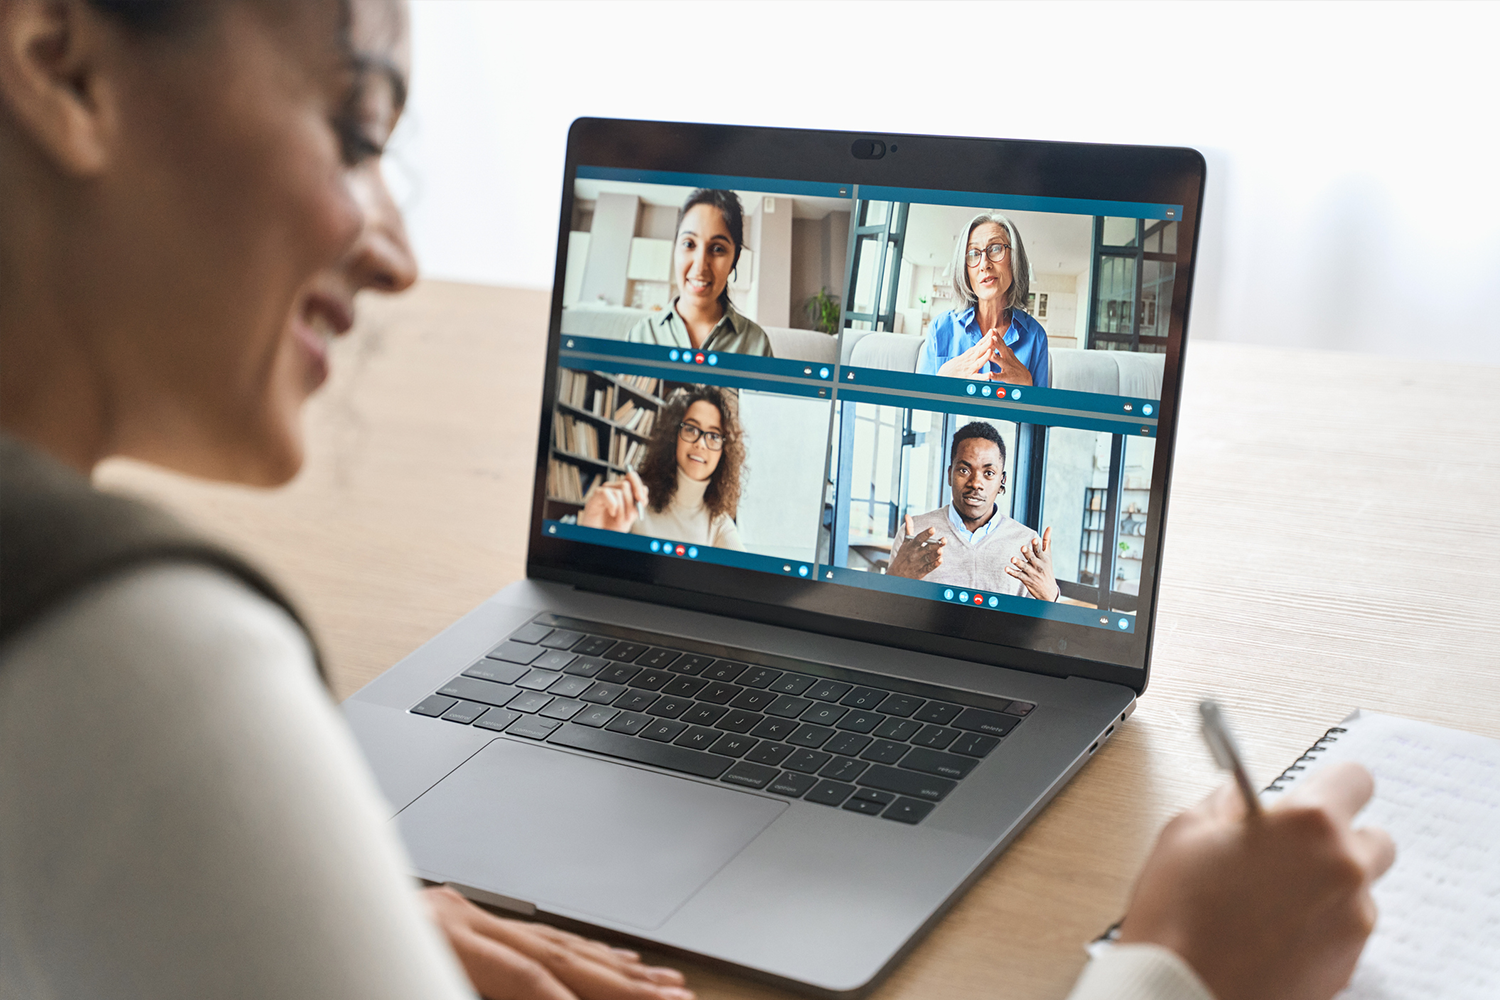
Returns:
<point x="1009" y="366"/>
<point x="1275" y="905"/>
<point x="918" y="554"/>
<point x="1033" y="567"/>
<point x="967" y="364"/>
<point x="612" y="506"/>
<point x="515" y="960"/>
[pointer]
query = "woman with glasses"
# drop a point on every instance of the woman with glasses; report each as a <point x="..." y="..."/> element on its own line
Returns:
<point x="687" y="488"/>
<point x="990" y="335"/>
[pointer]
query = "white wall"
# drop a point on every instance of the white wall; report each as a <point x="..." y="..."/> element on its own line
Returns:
<point x="781" y="504"/>
<point x="1351" y="147"/>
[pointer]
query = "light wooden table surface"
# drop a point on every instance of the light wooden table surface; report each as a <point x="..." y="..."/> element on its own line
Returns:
<point x="1333" y="541"/>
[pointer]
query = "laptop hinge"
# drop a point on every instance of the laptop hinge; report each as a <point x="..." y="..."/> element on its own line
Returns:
<point x="494" y="899"/>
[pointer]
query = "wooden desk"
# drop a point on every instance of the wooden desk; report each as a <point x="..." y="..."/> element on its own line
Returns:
<point x="1333" y="542"/>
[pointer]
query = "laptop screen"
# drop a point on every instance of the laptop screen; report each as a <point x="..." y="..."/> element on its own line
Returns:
<point x="932" y="403"/>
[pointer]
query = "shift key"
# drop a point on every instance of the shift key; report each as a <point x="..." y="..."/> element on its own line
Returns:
<point x="917" y="785"/>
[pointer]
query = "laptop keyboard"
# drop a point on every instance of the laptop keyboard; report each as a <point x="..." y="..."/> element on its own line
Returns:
<point x="811" y="732"/>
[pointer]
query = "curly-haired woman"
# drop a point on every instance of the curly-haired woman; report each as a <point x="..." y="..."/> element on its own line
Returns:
<point x="687" y="488"/>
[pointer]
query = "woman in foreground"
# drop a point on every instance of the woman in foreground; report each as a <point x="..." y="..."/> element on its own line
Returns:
<point x="189" y="202"/>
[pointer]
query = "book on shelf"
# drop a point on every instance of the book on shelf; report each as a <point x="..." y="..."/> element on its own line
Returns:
<point x="565" y="481"/>
<point x="640" y="383"/>
<point x="624" y="412"/>
<point x="575" y="436"/>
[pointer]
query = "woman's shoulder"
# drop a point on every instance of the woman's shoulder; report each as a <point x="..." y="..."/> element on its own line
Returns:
<point x="1027" y="324"/>
<point x="750" y="336"/>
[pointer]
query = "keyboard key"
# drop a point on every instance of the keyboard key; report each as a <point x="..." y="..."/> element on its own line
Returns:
<point x="791" y="683"/>
<point x="862" y="697"/>
<point x="788" y="706"/>
<point x="598" y="715"/>
<point x="769" y="753"/>
<point x="809" y="736"/>
<point x="861" y="722"/>
<point x="603" y="694"/>
<point x="560" y="639"/>
<point x="698" y="738"/>
<point x="861" y="806"/>
<point x="534" y="728"/>
<point x="626" y="652"/>
<point x="912" y="783"/>
<point x="725" y="670"/>
<point x="658" y="658"/>
<point x="900" y="704"/>
<point x="793" y="785"/>
<point x="937" y="712"/>
<point x="974" y="744"/>
<point x="1020" y="708"/>
<point x="828" y="793"/>
<point x="618" y="673"/>
<point x="824" y="714"/>
<point x="670" y="708"/>
<point x="570" y="687"/>
<point x="586" y="666"/>
<point x="774" y="729"/>
<point x="898" y="729"/>
<point x="665" y="755"/>
<point x="563" y="708"/>
<point x="497" y="719"/>
<point x="989" y="723"/>
<point x="553" y="659"/>
<point x="465" y="712"/>
<point x="843" y="769"/>
<point x="933" y="762"/>
<point x="651" y="680"/>
<point x="530" y="633"/>
<point x="739" y="721"/>
<point x="536" y="680"/>
<point x="593" y="645"/>
<point x="638" y="701"/>
<point x="629" y="723"/>
<point x="885" y="752"/>
<point x="733" y="745"/>
<point x="753" y="701"/>
<point x="684" y="687"/>
<point x="935" y="736"/>
<point x="515" y="652"/>
<point x="908" y="811"/>
<point x="704" y="715"/>
<point x="664" y="730"/>
<point x="848" y="744"/>
<point x="807" y="761"/>
<point x="494" y="670"/>
<point x="719" y="693"/>
<point x="758" y="677"/>
<point x="873" y="795"/>
<point x="529" y="701"/>
<point x="750" y="775"/>
<point x="828" y="690"/>
<point x="472" y="689"/>
<point x="691" y="664"/>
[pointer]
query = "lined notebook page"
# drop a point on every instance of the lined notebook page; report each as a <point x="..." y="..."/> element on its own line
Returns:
<point x="1437" y="792"/>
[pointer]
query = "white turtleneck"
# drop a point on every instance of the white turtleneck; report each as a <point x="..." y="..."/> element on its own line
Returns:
<point x="686" y="519"/>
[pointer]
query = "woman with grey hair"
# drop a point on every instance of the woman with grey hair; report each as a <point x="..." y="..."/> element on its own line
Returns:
<point x="990" y="335"/>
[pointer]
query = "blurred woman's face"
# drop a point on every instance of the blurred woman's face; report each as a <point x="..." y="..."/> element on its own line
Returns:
<point x="704" y="256"/>
<point x="989" y="279"/>
<point x="695" y="458"/>
<point x="250" y="195"/>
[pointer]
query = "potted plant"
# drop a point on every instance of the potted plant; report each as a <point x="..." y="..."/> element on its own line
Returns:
<point x="823" y="310"/>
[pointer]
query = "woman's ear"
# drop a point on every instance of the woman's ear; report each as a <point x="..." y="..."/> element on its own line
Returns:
<point x="52" y="84"/>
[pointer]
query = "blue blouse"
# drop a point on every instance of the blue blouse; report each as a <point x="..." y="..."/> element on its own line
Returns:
<point x="954" y="332"/>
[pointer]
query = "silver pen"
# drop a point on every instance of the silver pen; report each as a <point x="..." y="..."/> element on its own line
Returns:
<point x="1227" y="752"/>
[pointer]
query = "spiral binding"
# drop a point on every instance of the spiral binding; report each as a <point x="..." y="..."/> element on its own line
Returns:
<point x="1300" y="764"/>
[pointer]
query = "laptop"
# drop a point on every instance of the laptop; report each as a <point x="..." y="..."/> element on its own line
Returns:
<point x="845" y="543"/>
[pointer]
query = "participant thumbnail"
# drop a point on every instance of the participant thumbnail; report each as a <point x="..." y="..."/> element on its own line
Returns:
<point x="736" y="271"/>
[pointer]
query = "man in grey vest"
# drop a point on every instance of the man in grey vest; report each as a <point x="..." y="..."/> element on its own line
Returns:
<point x="970" y="543"/>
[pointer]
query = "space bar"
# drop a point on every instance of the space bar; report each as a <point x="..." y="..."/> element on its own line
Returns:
<point x="704" y="765"/>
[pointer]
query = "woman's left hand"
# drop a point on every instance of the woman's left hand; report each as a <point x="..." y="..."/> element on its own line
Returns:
<point x="1009" y="366"/>
<point x="515" y="960"/>
<point x="1033" y="567"/>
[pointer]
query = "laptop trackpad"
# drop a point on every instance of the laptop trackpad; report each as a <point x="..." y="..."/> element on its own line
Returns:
<point x="560" y="830"/>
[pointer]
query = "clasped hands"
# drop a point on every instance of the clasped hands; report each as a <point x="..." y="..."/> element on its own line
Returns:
<point x="991" y="349"/>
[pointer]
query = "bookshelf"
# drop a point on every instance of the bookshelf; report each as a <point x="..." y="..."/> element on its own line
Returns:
<point x="600" y="425"/>
<point x="1095" y="534"/>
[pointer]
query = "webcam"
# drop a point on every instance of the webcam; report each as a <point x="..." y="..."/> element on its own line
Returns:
<point x="867" y="149"/>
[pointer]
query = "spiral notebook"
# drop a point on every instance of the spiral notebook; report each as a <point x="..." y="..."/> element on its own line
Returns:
<point x="1437" y="792"/>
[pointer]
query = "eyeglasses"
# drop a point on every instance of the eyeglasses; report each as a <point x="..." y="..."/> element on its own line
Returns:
<point x="691" y="433"/>
<point x="995" y="252"/>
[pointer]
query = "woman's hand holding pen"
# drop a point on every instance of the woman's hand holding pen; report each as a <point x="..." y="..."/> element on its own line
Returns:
<point x="615" y="506"/>
<point x="1272" y="905"/>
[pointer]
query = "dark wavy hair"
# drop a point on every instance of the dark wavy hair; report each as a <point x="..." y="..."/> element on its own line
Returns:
<point x="728" y="204"/>
<point x="658" y="470"/>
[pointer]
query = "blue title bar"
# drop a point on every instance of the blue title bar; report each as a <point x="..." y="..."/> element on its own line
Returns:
<point x="1022" y="202"/>
<point x="768" y="185"/>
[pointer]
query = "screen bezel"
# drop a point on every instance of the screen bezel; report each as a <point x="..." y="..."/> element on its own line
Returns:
<point x="1161" y="175"/>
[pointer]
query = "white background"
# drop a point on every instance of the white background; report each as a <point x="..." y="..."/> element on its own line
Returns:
<point x="1352" y="148"/>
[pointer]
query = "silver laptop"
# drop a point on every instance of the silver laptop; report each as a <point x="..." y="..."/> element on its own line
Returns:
<point x="845" y="539"/>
